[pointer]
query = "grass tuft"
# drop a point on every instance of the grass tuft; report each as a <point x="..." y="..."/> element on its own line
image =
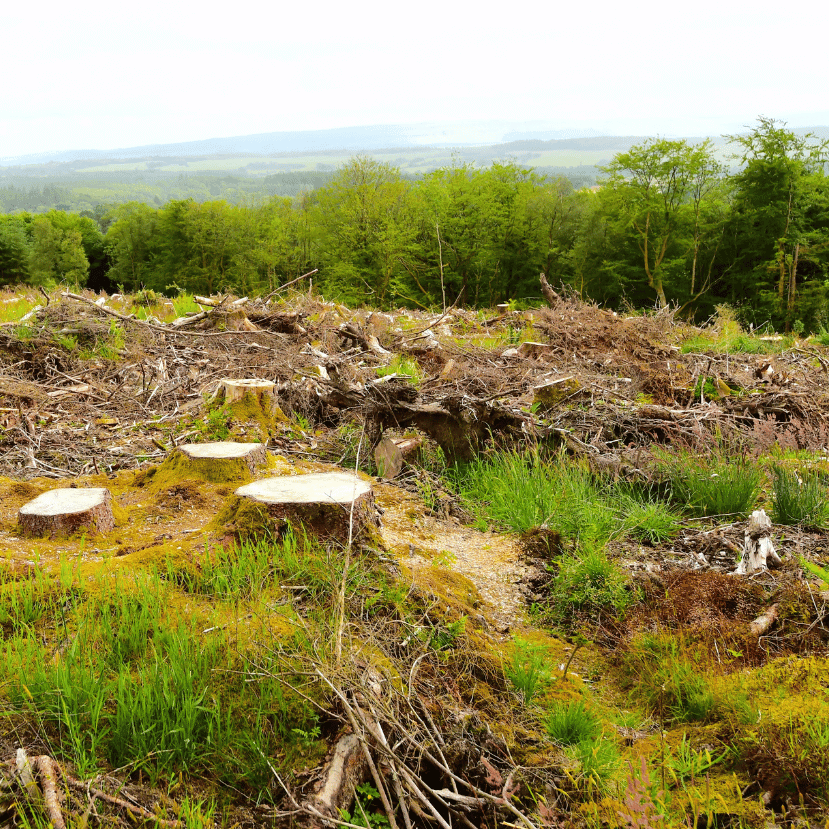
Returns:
<point x="799" y="500"/>
<point x="571" y="723"/>
<point x="709" y="486"/>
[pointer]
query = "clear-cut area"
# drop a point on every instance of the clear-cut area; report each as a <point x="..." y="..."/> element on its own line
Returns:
<point x="64" y="511"/>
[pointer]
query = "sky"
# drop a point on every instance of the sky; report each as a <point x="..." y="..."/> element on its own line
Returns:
<point x="103" y="75"/>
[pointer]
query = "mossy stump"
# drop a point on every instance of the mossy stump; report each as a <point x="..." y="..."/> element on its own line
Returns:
<point x="218" y="462"/>
<point x="234" y="391"/>
<point x="251" y="404"/>
<point x="553" y="393"/>
<point x="330" y="505"/>
<point x="61" y="512"/>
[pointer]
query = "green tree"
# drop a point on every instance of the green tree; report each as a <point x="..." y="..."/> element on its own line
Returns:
<point x="15" y="250"/>
<point x="780" y="219"/>
<point x="655" y="192"/>
<point x="131" y="241"/>
<point x="57" y="253"/>
<point x="363" y="232"/>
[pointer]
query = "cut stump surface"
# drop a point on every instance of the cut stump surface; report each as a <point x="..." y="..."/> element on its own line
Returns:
<point x="334" y="505"/>
<point x="223" y="460"/>
<point x="64" y="511"/>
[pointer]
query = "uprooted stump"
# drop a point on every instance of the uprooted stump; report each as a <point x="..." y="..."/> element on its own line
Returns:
<point x="335" y="506"/>
<point x="216" y="462"/>
<point x="758" y="548"/>
<point x="64" y="511"/>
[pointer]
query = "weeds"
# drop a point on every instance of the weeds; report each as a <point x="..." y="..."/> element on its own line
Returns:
<point x="685" y="763"/>
<point x="667" y="680"/>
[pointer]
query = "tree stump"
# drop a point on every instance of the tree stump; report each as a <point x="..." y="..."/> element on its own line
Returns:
<point x="331" y="505"/>
<point x="234" y="391"/>
<point x="551" y="394"/>
<point x="64" y="511"/>
<point x="531" y="349"/>
<point x="220" y="461"/>
<point x="758" y="548"/>
<point x="251" y="405"/>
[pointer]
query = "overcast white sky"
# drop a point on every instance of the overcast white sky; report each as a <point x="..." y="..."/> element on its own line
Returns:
<point x="101" y="75"/>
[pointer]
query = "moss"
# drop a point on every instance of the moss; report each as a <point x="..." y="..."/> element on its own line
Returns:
<point x="177" y="467"/>
<point x="455" y="589"/>
<point x="254" y="415"/>
<point x="245" y="519"/>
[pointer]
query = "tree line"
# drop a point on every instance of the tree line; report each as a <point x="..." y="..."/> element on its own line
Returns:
<point x="668" y="223"/>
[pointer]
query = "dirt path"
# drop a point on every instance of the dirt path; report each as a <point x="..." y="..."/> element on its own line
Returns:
<point x="490" y="560"/>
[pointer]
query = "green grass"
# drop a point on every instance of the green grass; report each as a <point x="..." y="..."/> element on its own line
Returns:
<point x="712" y="485"/>
<point x="405" y="366"/>
<point x="668" y="680"/>
<point x="527" y="669"/>
<point x="13" y="308"/>
<point x="799" y="500"/>
<point x="141" y="676"/>
<point x="571" y="723"/>
<point x="589" y="582"/>
<point x="521" y="491"/>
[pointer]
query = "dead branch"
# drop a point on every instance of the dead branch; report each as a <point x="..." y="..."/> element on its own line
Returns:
<point x="551" y="297"/>
<point x="46" y="766"/>
<point x="761" y="625"/>
<point x="164" y="329"/>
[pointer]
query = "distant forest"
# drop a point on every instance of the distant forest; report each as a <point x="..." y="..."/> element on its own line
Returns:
<point x="668" y="223"/>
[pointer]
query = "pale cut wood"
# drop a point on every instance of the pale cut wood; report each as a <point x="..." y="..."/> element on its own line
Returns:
<point x="390" y="455"/>
<point x="233" y="390"/>
<point x="531" y="349"/>
<point x="223" y="460"/>
<point x="65" y="511"/>
<point x="765" y="620"/>
<point x="758" y="548"/>
<point x="333" y="505"/>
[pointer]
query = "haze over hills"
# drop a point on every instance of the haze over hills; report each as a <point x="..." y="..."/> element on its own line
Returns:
<point x="360" y="138"/>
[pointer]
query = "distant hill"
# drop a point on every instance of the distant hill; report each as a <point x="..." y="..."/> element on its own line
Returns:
<point x="365" y="138"/>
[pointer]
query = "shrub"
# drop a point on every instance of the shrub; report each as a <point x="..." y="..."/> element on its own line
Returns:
<point x="797" y="500"/>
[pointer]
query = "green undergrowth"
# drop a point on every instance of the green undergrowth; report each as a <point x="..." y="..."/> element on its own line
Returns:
<point x="159" y="671"/>
<point x="800" y="499"/>
<point x="519" y="491"/>
<point x="712" y="484"/>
